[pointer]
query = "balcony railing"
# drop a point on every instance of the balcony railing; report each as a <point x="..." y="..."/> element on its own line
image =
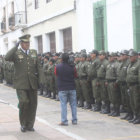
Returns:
<point x="12" y="21"/>
<point x="3" y="27"/>
<point x="20" y="19"/>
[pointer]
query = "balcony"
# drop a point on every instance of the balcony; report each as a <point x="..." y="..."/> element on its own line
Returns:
<point x="12" y="22"/>
<point x="20" y="19"/>
<point x="3" y="27"/>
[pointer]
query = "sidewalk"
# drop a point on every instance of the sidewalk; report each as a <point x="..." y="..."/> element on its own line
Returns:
<point x="10" y="128"/>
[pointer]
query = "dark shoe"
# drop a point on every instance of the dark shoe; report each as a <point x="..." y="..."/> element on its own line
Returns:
<point x="23" y="129"/>
<point x="137" y="121"/>
<point x="130" y="117"/>
<point x="87" y="106"/>
<point x="115" y="114"/>
<point x="31" y="129"/>
<point x="53" y="97"/>
<point x="63" y="124"/>
<point x="134" y="118"/>
<point x="123" y="118"/>
<point x="111" y="113"/>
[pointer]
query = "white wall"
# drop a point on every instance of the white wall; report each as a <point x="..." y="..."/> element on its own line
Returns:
<point x="119" y="25"/>
<point x="85" y="25"/>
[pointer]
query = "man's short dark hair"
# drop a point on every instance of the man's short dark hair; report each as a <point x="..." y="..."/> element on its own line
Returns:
<point x="65" y="57"/>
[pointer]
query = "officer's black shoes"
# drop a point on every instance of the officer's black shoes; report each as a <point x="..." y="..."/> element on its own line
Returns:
<point x="111" y="113"/>
<point x="87" y="106"/>
<point x="137" y="121"/>
<point x="116" y="114"/>
<point x="134" y="118"/>
<point x="23" y="129"/>
<point x="130" y="117"/>
<point x="30" y="129"/>
<point x="53" y="97"/>
<point x="80" y="104"/>
<point x="123" y="118"/>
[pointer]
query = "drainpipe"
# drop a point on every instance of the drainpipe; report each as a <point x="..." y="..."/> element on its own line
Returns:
<point x="26" y="11"/>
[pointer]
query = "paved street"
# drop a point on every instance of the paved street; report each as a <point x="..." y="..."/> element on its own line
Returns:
<point x="91" y="125"/>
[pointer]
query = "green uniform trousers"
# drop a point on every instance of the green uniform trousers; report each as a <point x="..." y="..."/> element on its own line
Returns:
<point x="103" y="92"/>
<point x="134" y="94"/>
<point x="85" y="90"/>
<point x="114" y="94"/>
<point x="27" y="107"/>
<point x="125" y="101"/>
<point x="96" y="91"/>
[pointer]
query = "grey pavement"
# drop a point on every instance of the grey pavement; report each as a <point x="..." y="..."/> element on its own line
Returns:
<point x="91" y="125"/>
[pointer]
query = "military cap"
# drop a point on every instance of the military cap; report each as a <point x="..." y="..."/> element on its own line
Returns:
<point x="102" y="52"/>
<point x="52" y="60"/>
<point x="124" y="52"/>
<point x="94" y="52"/>
<point x="46" y="57"/>
<point x="112" y="54"/>
<point x="25" y="38"/>
<point x="84" y="55"/>
<point x="83" y="51"/>
<point x="133" y="53"/>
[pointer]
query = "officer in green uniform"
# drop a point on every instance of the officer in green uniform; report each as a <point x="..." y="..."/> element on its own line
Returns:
<point x="83" y="73"/>
<point x="132" y="79"/>
<point x="92" y="75"/>
<point x="121" y="80"/>
<point x="101" y="73"/>
<point x="112" y="87"/>
<point x="80" y="97"/>
<point x="25" y="81"/>
<point x="46" y="82"/>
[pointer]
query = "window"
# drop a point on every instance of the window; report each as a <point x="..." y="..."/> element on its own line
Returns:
<point x="40" y="45"/>
<point x="100" y="27"/>
<point x="136" y="24"/>
<point x="36" y="4"/>
<point x="67" y="39"/>
<point x="52" y="42"/>
<point x="47" y="1"/>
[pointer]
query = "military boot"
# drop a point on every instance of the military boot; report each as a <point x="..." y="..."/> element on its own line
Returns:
<point x="137" y="121"/>
<point x="135" y="117"/>
<point x="106" y="109"/>
<point x="98" y="107"/>
<point x="80" y="104"/>
<point x="54" y="96"/>
<point x="49" y="94"/>
<point x="87" y="106"/>
<point x="117" y="112"/>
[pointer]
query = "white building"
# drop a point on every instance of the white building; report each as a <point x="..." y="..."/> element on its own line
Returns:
<point x="12" y="20"/>
<point x="72" y="25"/>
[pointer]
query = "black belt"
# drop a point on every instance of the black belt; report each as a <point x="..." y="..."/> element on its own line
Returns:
<point x="111" y="80"/>
<point x="83" y="77"/>
<point x="132" y="84"/>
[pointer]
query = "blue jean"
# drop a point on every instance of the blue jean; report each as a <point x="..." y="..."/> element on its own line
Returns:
<point x="68" y="96"/>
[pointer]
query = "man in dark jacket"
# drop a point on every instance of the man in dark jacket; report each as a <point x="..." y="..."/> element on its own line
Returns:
<point x="66" y="88"/>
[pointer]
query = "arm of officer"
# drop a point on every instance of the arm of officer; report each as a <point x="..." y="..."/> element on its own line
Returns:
<point x="10" y="56"/>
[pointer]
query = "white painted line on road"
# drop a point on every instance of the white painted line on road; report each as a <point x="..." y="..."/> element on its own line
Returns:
<point x="64" y="131"/>
<point x="72" y="135"/>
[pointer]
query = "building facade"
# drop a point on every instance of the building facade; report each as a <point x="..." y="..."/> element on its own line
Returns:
<point x="71" y="25"/>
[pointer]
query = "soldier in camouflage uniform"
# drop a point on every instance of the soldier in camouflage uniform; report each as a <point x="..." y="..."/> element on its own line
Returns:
<point x="132" y="79"/>
<point x="46" y="81"/>
<point x="112" y="87"/>
<point x="92" y="75"/>
<point x="83" y="73"/>
<point x="80" y="97"/>
<point x="101" y="73"/>
<point x="121" y="80"/>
